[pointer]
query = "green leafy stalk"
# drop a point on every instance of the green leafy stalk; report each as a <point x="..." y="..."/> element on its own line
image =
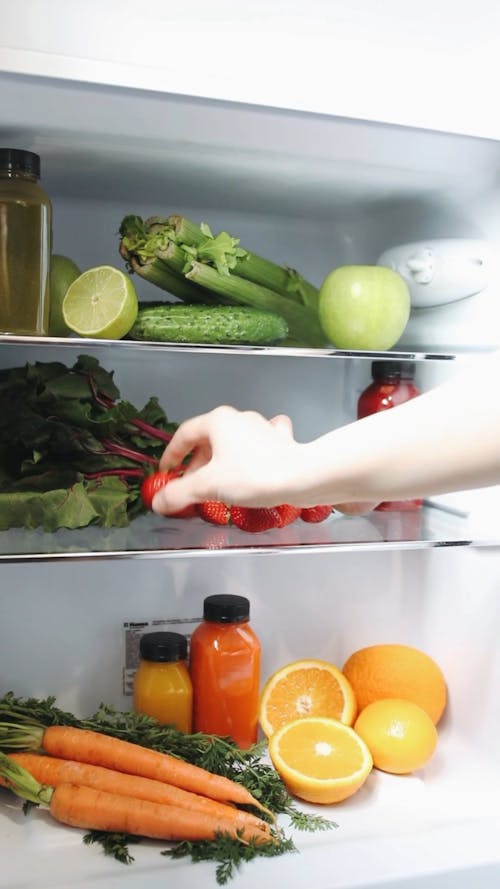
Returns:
<point x="158" y="273"/>
<point x="184" y="231"/>
<point x="283" y="280"/>
<point x="226" y="254"/>
<point x="151" y="252"/>
<point x="159" y="236"/>
<point x="303" y="323"/>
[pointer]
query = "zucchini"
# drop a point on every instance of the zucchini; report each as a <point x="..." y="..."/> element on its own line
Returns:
<point x="219" y="325"/>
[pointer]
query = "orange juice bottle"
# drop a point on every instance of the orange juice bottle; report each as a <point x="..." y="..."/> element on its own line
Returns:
<point x="225" y="670"/>
<point x="162" y="685"/>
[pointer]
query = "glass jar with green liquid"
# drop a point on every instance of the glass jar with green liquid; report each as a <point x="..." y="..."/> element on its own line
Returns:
<point x="25" y="245"/>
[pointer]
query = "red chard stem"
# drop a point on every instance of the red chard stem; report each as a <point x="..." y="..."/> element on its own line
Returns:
<point x="129" y="454"/>
<point x="152" y="430"/>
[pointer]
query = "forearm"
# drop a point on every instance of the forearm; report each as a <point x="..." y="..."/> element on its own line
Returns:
<point x="445" y="440"/>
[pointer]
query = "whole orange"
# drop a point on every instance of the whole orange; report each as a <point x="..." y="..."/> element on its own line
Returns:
<point x="397" y="671"/>
<point x="400" y="735"/>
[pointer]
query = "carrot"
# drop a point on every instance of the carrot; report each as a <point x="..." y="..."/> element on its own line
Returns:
<point x="94" y="809"/>
<point x="99" y="810"/>
<point x="53" y="771"/>
<point x="86" y="807"/>
<point x="91" y="747"/>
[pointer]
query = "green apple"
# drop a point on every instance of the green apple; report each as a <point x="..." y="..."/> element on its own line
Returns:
<point x="63" y="271"/>
<point x="364" y="307"/>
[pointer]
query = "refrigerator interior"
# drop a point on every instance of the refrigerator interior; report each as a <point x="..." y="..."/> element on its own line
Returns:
<point x="63" y="634"/>
<point x="313" y="192"/>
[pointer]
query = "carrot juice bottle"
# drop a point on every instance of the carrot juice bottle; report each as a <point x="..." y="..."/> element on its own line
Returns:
<point x="225" y="670"/>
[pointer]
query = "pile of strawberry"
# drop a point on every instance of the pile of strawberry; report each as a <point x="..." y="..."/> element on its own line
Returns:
<point x="246" y="518"/>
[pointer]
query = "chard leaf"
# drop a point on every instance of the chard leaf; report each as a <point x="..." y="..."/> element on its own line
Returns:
<point x="109" y="498"/>
<point x="50" y="510"/>
<point x="59" y="424"/>
<point x="103" y="379"/>
<point x="103" y="502"/>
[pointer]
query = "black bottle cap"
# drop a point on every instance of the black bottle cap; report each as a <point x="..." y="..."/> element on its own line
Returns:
<point x="15" y="159"/>
<point x="161" y="647"/>
<point x="225" y="608"/>
<point x="393" y="370"/>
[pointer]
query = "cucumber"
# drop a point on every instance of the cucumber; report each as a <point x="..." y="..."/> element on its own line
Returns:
<point x="219" y="325"/>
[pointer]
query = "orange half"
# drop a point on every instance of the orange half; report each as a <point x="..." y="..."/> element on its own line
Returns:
<point x="303" y="689"/>
<point x="320" y="760"/>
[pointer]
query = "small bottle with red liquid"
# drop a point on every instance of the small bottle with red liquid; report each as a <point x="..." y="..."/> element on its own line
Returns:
<point x="392" y="384"/>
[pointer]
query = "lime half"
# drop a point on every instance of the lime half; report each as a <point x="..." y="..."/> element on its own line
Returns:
<point x="101" y="303"/>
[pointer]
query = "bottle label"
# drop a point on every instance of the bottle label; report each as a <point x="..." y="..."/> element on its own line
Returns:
<point x="134" y="629"/>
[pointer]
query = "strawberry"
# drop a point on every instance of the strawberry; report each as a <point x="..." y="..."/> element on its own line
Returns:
<point x="214" y="511"/>
<point x="315" y="513"/>
<point x="153" y="483"/>
<point x="287" y="514"/>
<point x="254" y="519"/>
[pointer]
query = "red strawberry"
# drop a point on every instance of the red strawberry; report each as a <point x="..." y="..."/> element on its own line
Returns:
<point x="287" y="514"/>
<point x="315" y="513"/>
<point x="214" y="511"/>
<point x="153" y="483"/>
<point x="254" y="519"/>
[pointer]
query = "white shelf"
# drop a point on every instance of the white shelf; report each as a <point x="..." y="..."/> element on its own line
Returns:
<point x="422" y="830"/>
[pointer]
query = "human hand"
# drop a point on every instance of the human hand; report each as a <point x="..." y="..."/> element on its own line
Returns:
<point x="237" y="457"/>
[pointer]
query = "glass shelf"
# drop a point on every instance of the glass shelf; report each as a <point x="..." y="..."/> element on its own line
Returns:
<point x="274" y="351"/>
<point x="152" y="536"/>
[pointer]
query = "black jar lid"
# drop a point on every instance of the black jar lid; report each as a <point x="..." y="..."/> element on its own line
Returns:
<point x="18" y="160"/>
<point x="393" y="370"/>
<point x="224" y="608"/>
<point x="160" y="647"/>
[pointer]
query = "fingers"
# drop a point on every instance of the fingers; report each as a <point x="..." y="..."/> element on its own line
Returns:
<point x="191" y="434"/>
<point x="182" y="492"/>
<point x="199" y="458"/>
<point x="229" y="456"/>
<point x="170" y="500"/>
<point x="283" y="425"/>
<point x="356" y="508"/>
